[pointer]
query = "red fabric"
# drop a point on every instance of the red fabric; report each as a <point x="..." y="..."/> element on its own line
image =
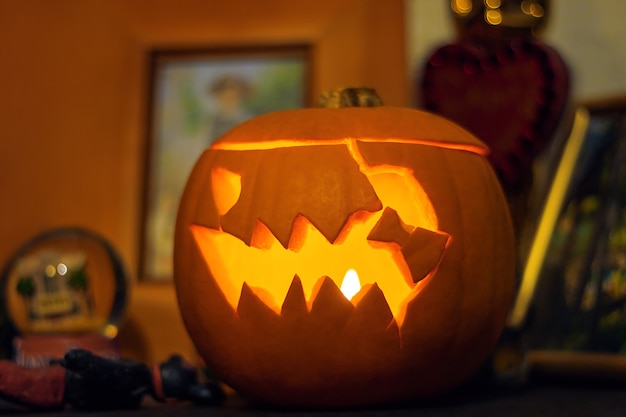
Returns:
<point x="512" y="96"/>
<point x="38" y="387"/>
<point x="157" y="383"/>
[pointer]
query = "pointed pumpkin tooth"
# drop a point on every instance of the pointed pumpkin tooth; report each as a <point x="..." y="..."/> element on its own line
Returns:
<point x="373" y="304"/>
<point x="252" y="308"/>
<point x="295" y="302"/>
<point x="262" y="237"/>
<point x="372" y="314"/>
<point x="423" y="251"/>
<point x="389" y="228"/>
<point x="392" y="332"/>
<point x="329" y="305"/>
<point x="329" y="171"/>
<point x="371" y="320"/>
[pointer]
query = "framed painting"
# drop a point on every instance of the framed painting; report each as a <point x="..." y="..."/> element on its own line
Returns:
<point x="571" y="305"/>
<point x="580" y="303"/>
<point x="195" y="97"/>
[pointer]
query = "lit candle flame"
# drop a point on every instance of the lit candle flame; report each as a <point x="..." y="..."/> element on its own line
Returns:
<point x="350" y="284"/>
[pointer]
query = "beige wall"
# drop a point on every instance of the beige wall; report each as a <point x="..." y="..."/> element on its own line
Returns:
<point x="73" y="109"/>
<point x="588" y="34"/>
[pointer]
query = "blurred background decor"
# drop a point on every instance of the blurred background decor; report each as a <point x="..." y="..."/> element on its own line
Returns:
<point x="558" y="161"/>
<point x="568" y="321"/>
<point x="196" y="96"/>
<point x="500" y="81"/>
<point x="580" y="299"/>
<point x="65" y="288"/>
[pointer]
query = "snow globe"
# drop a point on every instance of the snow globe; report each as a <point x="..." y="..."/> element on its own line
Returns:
<point x="64" y="289"/>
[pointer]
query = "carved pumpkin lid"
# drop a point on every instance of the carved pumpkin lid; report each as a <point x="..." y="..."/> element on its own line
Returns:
<point x="303" y="126"/>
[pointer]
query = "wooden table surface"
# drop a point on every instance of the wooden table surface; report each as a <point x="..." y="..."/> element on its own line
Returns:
<point x="527" y="401"/>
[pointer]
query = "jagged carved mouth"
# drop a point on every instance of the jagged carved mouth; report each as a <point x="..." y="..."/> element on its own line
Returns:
<point x="395" y="246"/>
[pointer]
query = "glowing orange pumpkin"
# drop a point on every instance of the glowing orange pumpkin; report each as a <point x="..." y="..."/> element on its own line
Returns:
<point x="284" y="207"/>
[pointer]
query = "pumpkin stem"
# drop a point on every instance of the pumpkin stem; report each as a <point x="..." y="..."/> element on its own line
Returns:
<point x="350" y="97"/>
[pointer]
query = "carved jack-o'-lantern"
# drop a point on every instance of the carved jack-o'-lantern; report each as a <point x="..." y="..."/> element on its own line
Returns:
<point x="343" y="257"/>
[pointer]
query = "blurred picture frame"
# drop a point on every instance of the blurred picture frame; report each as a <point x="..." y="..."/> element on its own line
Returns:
<point x="572" y="294"/>
<point x="195" y="96"/>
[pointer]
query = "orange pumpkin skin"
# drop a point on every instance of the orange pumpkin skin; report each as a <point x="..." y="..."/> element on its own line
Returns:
<point x="327" y="351"/>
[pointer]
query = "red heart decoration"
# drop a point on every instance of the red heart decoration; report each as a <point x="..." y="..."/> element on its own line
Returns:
<point x="512" y="97"/>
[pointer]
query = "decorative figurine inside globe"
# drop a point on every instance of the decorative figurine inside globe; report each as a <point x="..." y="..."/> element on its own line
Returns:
<point x="65" y="288"/>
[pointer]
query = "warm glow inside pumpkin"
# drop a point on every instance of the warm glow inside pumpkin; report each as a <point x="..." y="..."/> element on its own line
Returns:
<point x="368" y="244"/>
<point x="334" y="257"/>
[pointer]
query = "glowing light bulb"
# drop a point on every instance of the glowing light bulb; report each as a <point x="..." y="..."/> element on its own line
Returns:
<point x="350" y="284"/>
<point x="50" y="271"/>
<point x="462" y="7"/>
